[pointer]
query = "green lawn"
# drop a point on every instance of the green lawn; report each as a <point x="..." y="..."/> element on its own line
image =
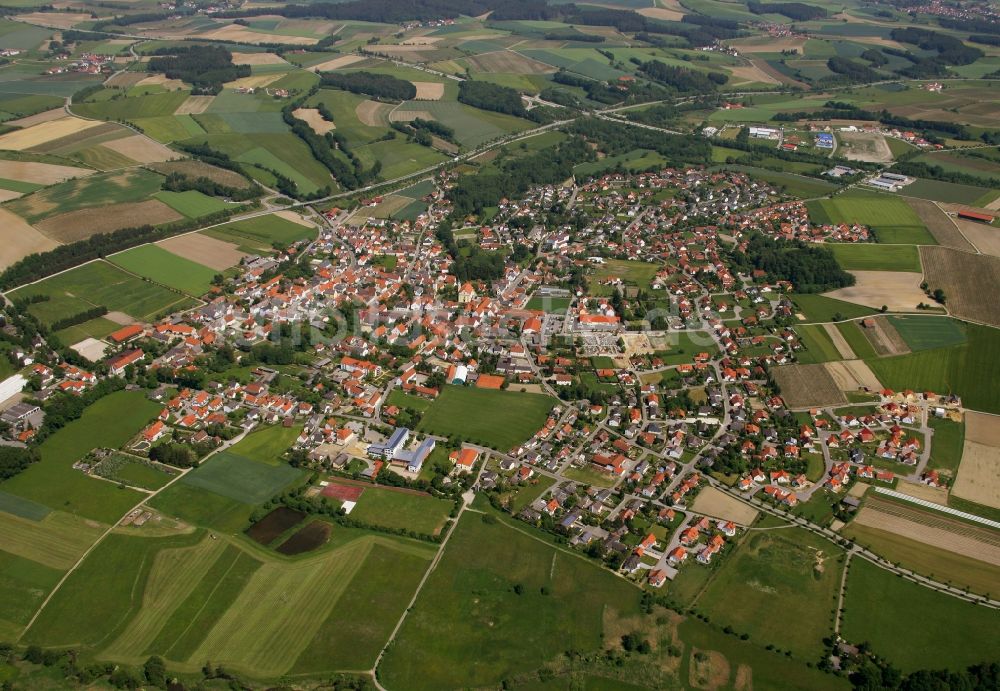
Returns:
<point x="947" y="443"/>
<point x="100" y="283"/>
<point x="191" y="203"/>
<point x="109" y="422"/>
<point x="862" y="257"/>
<point x="159" y="265"/>
<point x="819" y="308"/>
<point x="471" y="597"/>
<point x="402" y="510"/>
<point x="818" y="345"/>
<point x="923" y="332"/>
<point x="498" y="419"/>
<point x="793" y="567"/>
<point x="267" y="444"/>
<point x="969" y="369"/>
<point x="905" y="622"/>
<point x="890" y="217"/>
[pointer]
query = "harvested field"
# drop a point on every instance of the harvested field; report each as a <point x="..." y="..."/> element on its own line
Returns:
<point x="768" y="44"/>
<point x="45" y="132"/>
<point x="409" y="115"/>
<point x="56" y="20"/>
<point x="258" y="59"/>
<point x="979" y="474"/>
<point x="162" y="80"/>
<point x="126" y="79"/>
<point x="429" y="91"/>
<point x="839" y="342"/>
<point x="256" y="81"/>
<point x="898" y="290"/>
<point x="985" y="238"/>
<point x="142" y="149"/>
<point x="864" y="146"/>
<point x="932" y="529"/>
<point x="20" y="239"/>
<point x="751" y="73"/>
<point x="194" y="105"/>
<point x="508" y="62"/>
<point x="197" y="169"/>
<point x="311" y="537"/>
<point x="40" y="173"/>
<point x="314" y="119"/>
<point x="273" y="525"/>
<point x="966" y="280"/>
<point x="102" y="131"/>
<point x="7" y="195"/>
<point x="942" y="227"/>
<point x="38" y="118"/>
<point x="342" y="61"/>
<point x="661" y="13"/>
<point x="717" y="504"/>
<point x="851" y="375"/>
<point x="373" y="113"/>
<point x="807" y="386"/>
<point x="884" y="337"/>
<point x="240" y="34"/>
<point x="202" y="249"/>
<point x="935" y="495"/>
<point x="982" y="428"/>
<point x="81" y="224"/>
<point x="294" y="218"/>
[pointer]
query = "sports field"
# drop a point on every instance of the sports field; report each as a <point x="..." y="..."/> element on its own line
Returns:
<point x="903" y="621"/>
<point x="402" y="510"/>
<point x="109" y="422"/>
<point x="159" y="265"/>
<point x="860" y="257"/>
<point x="791" y="569"/>
<point x="471" y="596"/>
<point x="890" y="217"/>
<point x="100" y="283"/>
<point x="631" y="273"/>
<point x="494" y="418"/>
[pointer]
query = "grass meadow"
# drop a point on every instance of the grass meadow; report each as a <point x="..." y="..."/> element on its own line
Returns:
<point x="818" y="345"/>
<point x="862" y="257"/>
<point x="403" y="510"/>
<point x="102" y="189"/>
<point x="947" y="443"/>
<point x="498" y="419"/>
<point x="923" y="332"/>
<point x="862" y="347"/>
<point x="191" y="203"/>
<point x="819" y="308"/>
<point x="23" y="586"/>
<point x="256" y="235"/>
<point x="240" y="478"/>
<point x="159" y="265"/>
<point x="890" y="217"/>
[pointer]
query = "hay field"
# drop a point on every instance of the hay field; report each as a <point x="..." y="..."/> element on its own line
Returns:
<point x="807" y="386"/>
<point x="20" y="239"/>
<point x="81" y="224"/>
<point x="56" y="20"/>
<point x="241" y="34"/>
<point x="194" y="105"/>
<point x="851" y="375"/>
<point x="508" y="62"/>
<point x="142" y="149"/>
<point x="932" y="529"/>
<point x="57" y="540"/>
<point x="899" y="290"/>
<point x="979" y="472"/>
<point x="941" y="226"/>
<point x="335" y="63"/>
<point x="255" y="81"/>
<point x="768" y="44"/>
<point x="373" y="113"/>
<point x="258" y="59"/>
<point x="202" y="249"/>
<point x="314" y="119"/>
<point x="40" y="173"/>
<point x="38" y="118"/>
<point x="963" y="277"/>
<point x="45" y="132"/>
<point x="839" y="342"/>
<point x="717" y="504"/>
<point x="429" y="91"/>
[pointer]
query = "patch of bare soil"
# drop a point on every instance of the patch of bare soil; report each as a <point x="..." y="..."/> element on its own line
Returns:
<point x="898" y="290"/>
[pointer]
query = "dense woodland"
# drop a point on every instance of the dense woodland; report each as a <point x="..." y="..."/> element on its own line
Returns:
<point x="371" y="84"/>
<point x="793" y="10"/>
<point x="206" y="68"/>
<point x="682" y="79"/>
<point x="489" y="96"/>
<point x="809" y="268"/>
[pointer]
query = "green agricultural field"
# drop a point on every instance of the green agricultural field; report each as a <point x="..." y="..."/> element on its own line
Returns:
<point x="402" y="510"/>
<point x="950" y="192"/>
<point x="904" y="622"/>
<point x="267" y="445"/>
<point x="862" y="347"/>
<point x="159" y="265"/>
<point x="109" y="422"/>
<point x="102" y="189"/>
<point x="472" y="126"/>
<point x="23" y="586"/>
<point x="204" y="508"/>
<point x="632" y="273"/>
<point x="946" y="444"/>
<point x="961" y="570"/>
<point x="861" y="257"/>
<point x="169" y="128"/>
<point x="922" y="332"/>
<point x="404" y="400"/>
<point x="471" y="596"/>
<point x="100" y="283"/>
<point x="890" y="217"/>
<point x="969" y="369"/>
<point x="498" y="419"/>
<point x="56" y="541"/>
<point x="147" y="106"/>
<point x="259" y="234"/>
<point x="22" y="508"/>
<point x="192" y="203"/>
<point x="819" y="346"/>
<point x="819" y="308"/>
<point x="240" y="478"/>
<point x="92" y="328"/>
<point x="794" y="567"/>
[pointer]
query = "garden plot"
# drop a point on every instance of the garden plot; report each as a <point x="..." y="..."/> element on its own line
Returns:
<point x="898" y="290"/>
